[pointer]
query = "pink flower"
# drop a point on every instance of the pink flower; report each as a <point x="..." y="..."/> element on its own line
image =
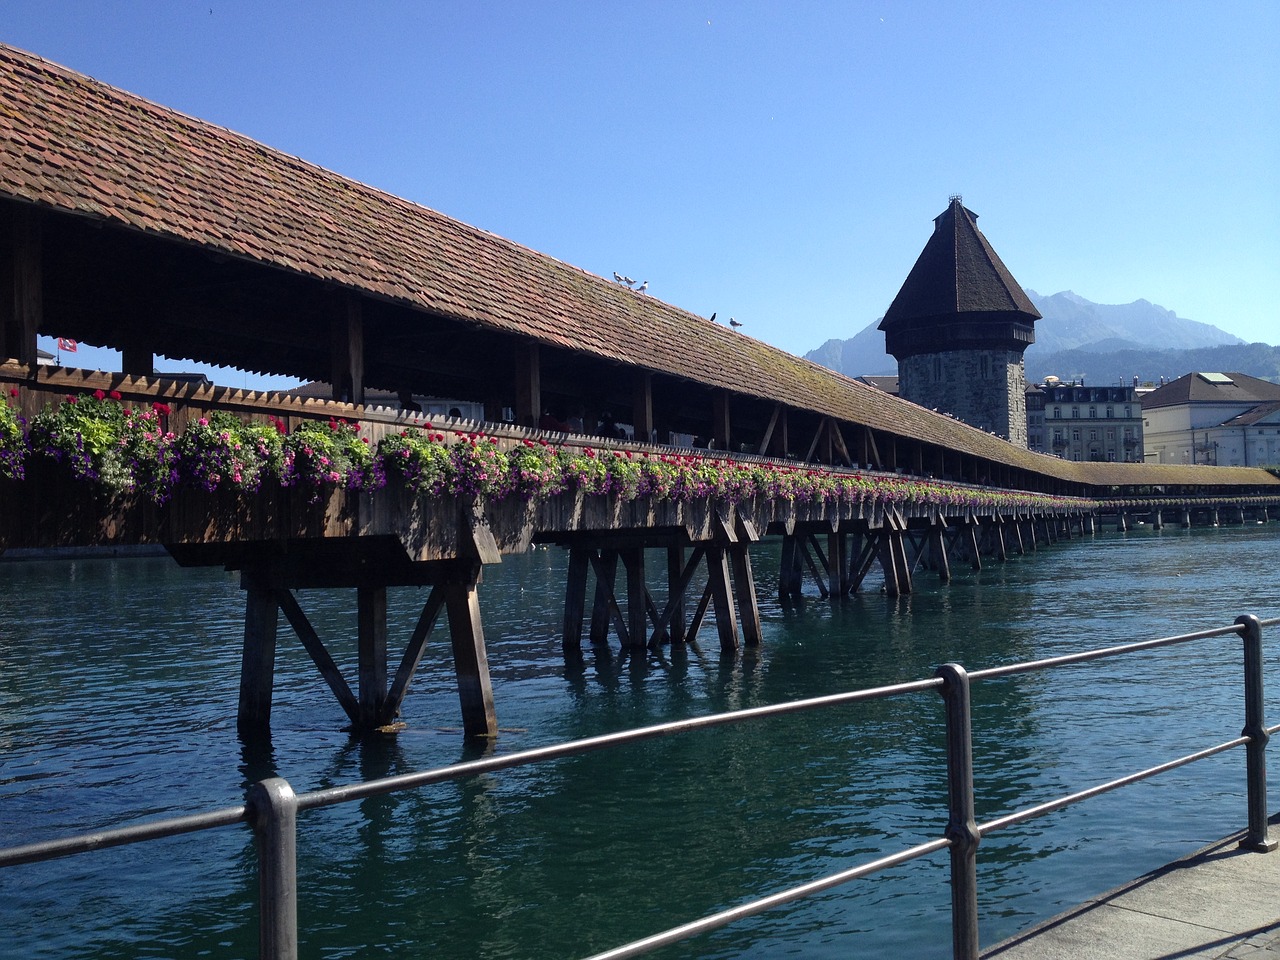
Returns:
<point x="99" y="395"/>
<point x="114" y="395"/>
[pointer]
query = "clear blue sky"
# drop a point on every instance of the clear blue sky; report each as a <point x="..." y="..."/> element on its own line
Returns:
<point x="777" y="162"/>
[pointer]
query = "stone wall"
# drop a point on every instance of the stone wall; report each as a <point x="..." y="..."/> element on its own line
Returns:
<point x="984" y="388"/>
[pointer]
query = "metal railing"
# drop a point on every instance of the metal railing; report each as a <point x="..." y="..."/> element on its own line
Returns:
<point x="271" y="807"/>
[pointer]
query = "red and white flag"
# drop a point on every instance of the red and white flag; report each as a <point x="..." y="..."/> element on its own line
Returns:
<point x="67" y="344"/>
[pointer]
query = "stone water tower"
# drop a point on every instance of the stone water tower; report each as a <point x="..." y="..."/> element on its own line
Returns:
<point x="958" y="328"/>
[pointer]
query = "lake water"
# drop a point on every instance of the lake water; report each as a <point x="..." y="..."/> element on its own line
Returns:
<point x="118" y="689"/>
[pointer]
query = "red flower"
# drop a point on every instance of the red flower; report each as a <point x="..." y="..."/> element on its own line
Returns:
<point x="99" y="395"/>
<point x="115" y="395"/>
<point x="69" y="398"/>
<point x="161" y="408"/>
<point x="13" y="391"/>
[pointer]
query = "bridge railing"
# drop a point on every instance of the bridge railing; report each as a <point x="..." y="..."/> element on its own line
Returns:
<point x="271" y="808"/>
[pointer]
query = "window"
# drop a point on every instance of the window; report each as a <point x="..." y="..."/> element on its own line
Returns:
<point x="1128" y="414"/>
<point x="1111" y="413"/>
<point x="1057" y="414"/>
<point x="1111" y="433"/>
<point x="1093" y="413"/>
<point x="1093" y="434"/>
<point x="1075" y="413"/>
<point x="1075" y="435"/>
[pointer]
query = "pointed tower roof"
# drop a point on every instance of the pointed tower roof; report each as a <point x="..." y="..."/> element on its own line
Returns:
<point x="958" y="294"/>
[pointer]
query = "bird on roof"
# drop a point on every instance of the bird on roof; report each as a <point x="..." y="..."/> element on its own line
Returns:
<point x="643" y="287"/>
<point x="713" y="318"/>
<point x="734" y="323"/>
<point x="628" y="281"/>
<point x="617" y="276"/>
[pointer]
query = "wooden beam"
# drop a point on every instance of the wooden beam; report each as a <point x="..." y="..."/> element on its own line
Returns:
<point x="605" y="566"/>
<point x="872" y="451"/>
<point x="319" y="655"/>
<point x="744" y="588"/>
<point x="412" y="656"/>
<point x="721" y="596"/>
<point x="347" y="351"/>
<point x="371" y="646"/>
<point x="642" y="406"/>
<point x="28" y="287"/>
<point x="470" y="661"/>
<point x="721" y="428"/>
<point x="528" y="376"/>
<point x="838" y="439"/>
<point x="768" y="430"/>
<point x="257" y="664"/>
<point x="817" y="436"/>
<point x="575" y="598"/>
<point x="637" y="614"/>
<point x="137" y="361"/>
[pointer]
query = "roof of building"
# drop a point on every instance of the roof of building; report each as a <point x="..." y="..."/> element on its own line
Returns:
<point x="1262" y="413"/>
<point x="886" y="383"/>
<point x="1212" y="388"/>
<point x="958" y="272"/>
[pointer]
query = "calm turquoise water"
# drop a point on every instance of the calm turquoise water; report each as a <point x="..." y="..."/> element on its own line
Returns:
<point x="118" y="687"/>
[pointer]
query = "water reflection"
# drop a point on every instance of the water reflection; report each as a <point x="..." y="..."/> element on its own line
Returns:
<point x="109" y="711"/>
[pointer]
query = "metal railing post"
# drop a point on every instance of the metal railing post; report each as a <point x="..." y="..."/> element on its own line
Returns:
<point x="1255" y="729"/>
<point x="273" y="814"/>
<point x="962" y="827"/>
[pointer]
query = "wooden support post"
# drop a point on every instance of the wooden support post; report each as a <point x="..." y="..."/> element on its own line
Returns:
<point x="257" y="663"/>
<point x="642" y="406"/>
<point x="25" y="313"/>
<point x="818" y="577"/>
<point x="888" y="564"/>
<point x="470" y="661"/>
<point x="575" y="598"/>
<point x="1017" y="534"/>
<point x="836" y="579"/>
<point x="371" y="620"/>
<point x="790" y="570"/>
<point x="637" y="613"/>
<point x="721" y="596"/>
<point x="768" y="430"/>
<point x="676" y="588"/>
<point x="971" y="542"/>
<point x="137" y="361"/>
<point x="720" y="422"/>
<point x="606" y="567"/>
<point x="412" y="656"/>
<point x="1122" y="522"/>
<point x="997" y="534"/>
<point x="319" y="655"/>
<point x="938" y="549"/>
<point x="1157" y="518"/>
<point x="528" y="376"/>
<point x="744" y="587"/>
<point x="1185" y="520"/>
<point x="347" y="351"/>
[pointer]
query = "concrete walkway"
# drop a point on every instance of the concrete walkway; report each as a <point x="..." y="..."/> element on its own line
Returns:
<point x="1222" y="902"/>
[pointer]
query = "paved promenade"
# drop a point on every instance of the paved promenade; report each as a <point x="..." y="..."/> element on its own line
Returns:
<point x="1222" y="902"/>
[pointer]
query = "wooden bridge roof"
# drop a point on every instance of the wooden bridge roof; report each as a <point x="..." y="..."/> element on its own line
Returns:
<point x="71" y="145"/>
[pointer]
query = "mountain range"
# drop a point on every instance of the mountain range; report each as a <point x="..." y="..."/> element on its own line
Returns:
<point x="1077" y="339"/>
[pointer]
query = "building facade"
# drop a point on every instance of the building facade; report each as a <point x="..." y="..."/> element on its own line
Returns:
<point x="1093" y="423"/>
<point x="1228" y="419"/>
<point x="958" y="329"/>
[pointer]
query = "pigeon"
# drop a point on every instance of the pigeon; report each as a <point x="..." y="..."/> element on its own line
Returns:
<point x="643" y="287"/>
<point x="734" y="323"/>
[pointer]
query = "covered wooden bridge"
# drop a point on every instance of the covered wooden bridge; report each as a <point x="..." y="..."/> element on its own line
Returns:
<point x="126" y="224"/>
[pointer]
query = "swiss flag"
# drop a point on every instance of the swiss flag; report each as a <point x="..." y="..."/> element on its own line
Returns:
<point x="66" y="344"/>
